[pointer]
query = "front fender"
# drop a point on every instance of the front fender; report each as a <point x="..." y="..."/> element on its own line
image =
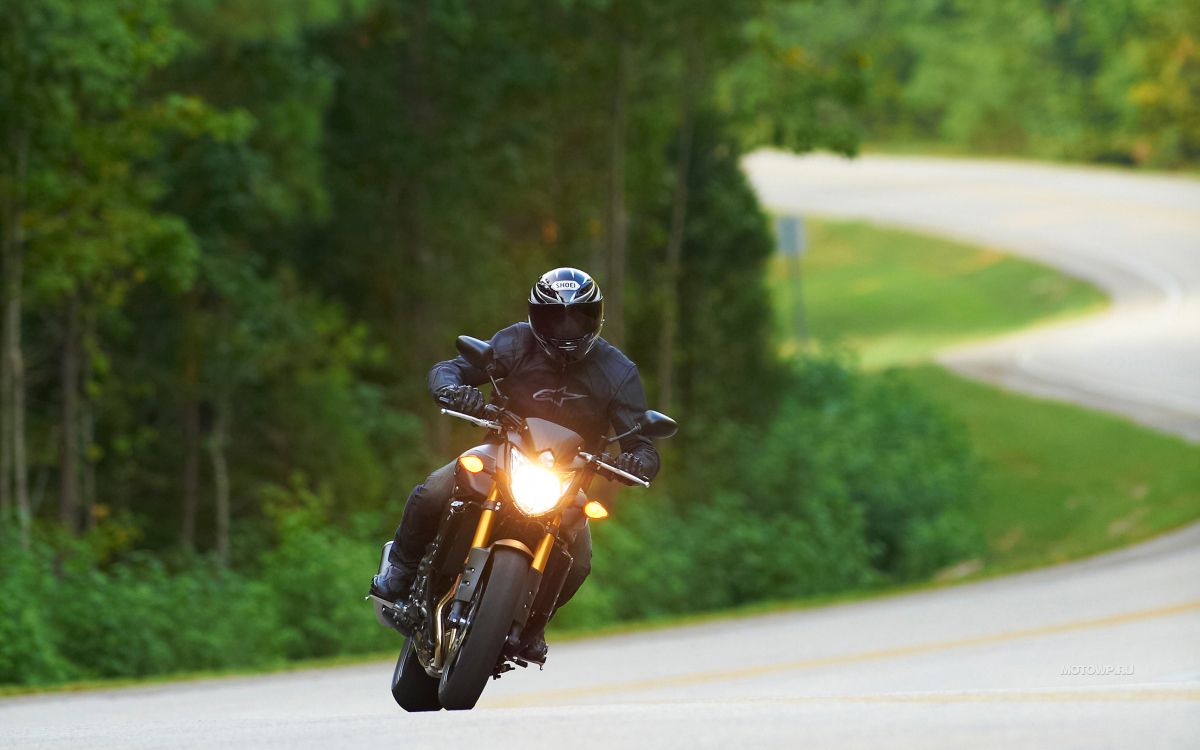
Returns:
<point x="477" y="564"/>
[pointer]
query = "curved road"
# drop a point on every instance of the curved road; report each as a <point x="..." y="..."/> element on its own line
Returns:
<point x="1135" y="236"/>
<point x="1100" y="653"/>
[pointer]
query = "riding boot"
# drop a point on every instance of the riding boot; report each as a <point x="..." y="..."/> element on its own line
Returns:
<point x="394" y="583"/>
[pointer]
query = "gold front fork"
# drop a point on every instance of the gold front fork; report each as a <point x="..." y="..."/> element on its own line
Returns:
<point x="483" y="530"/>
<point x="542" y="556"/>
<point x="483" y="533"/>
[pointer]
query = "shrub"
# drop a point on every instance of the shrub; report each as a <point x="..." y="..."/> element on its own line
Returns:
<point x="317" y="576"/>
<point x="28" y="653"/>
<point x="855" y="479"/>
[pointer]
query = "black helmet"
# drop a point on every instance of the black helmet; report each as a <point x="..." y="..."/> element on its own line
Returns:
<point x="566" y="312"/>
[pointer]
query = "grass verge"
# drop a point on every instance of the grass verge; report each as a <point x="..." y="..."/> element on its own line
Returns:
<point x="1059" y="482"/>
<point x="896" y="297"/>
<point x="111" y="683"/>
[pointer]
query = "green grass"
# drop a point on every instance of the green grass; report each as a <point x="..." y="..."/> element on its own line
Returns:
<point x="1059" y="482"/>
<point x="896" y="297"/>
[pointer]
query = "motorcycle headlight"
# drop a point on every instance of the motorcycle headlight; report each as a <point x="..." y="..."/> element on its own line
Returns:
<point x="535" y="488"/>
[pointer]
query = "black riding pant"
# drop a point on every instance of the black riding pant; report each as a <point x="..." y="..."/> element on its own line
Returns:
<point x="423" y="513"/>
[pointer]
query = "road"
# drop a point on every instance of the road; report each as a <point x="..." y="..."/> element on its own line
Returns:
<point x="979" y="665"/>
<point x="1135" y="236"/>
<point x="1099" y="653"/>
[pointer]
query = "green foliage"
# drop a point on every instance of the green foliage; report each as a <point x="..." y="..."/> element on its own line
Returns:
<point x="138" y="619"/>
<point x="1107" y="81"/>
<point x="145" y="616"/>
<point x="315" y="575"/>
<point x="792" y="96"/>
<point x="135" y="619"/>
<point x="28" y="653"/>
<point x="249" y="229"/>
<point x="902" y="462"/>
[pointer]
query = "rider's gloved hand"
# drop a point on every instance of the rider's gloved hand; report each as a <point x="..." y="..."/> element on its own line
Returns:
<point x="631" y="463"/>
<point x="462" y="398"/>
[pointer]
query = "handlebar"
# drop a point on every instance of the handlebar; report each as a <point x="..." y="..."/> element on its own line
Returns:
<point x="504" y="417"/>
<point x="500" y="418"/>
<point x="491" y="425"/>
<point x="612" y="470"/>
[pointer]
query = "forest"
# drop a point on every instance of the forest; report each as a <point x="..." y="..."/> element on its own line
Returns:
<point x="236" y="234"/>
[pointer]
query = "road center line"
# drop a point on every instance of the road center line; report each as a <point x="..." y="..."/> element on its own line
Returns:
<point x="723" y="675"/>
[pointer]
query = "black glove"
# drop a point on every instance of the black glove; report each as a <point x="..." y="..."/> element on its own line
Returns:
<point x="631" y="463"/>
<point x="466" y="399"/>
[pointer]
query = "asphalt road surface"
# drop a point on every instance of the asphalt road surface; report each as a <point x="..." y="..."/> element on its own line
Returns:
<point x="1135" y="236"/>
<point x="1100" y="653"/>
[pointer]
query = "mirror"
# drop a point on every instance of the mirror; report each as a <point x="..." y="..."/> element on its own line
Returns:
<point x="655" y="424"/>
<point x="478" y="353"/>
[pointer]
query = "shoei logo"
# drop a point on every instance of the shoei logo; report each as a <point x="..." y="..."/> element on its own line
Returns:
<point x="556" y="396"/>
<point x="566" y="285"/>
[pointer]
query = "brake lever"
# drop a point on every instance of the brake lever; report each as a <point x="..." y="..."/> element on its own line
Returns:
<point x="610" y="469"/>
<point x="507" y="418"/>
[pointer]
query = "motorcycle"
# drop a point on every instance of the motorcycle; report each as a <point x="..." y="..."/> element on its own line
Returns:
<point x="490" y="579"/>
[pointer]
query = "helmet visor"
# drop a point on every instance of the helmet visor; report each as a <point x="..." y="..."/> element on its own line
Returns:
<point x="566" y="322"/>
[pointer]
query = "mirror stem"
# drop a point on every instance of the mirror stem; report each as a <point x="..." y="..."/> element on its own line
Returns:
<point x="495" y="386"/>
<point x="631" y="431"/>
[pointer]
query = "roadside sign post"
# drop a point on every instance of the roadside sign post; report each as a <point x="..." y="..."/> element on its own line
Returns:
<point x="792" y="243"/>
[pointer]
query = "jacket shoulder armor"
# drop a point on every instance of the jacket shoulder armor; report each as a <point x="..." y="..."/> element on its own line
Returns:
<point x="612" y="363"/>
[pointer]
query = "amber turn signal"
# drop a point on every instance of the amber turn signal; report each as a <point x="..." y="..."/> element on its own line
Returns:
<point x="473" y="464"/>
<point x="595" y="510"/>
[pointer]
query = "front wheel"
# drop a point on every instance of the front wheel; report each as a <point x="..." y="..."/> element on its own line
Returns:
<point x="411" y="687"/>
<point x="470" y="667"/>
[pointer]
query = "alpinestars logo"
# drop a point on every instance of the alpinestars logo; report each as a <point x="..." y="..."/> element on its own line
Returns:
<point x="556" y="396"/>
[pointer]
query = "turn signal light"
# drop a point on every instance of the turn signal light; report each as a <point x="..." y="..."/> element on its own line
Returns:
<point x="595" y="510"/>
<point x="473" y="464"/>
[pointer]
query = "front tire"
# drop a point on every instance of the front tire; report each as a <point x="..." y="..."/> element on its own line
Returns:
<point x="411" y="687"/>
<point x="465" y="677"/>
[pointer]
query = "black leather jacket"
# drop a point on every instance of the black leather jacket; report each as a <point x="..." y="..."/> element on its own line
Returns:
<point x="588" y="396"/>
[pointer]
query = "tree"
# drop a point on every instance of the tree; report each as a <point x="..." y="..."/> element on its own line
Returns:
<point x="70" y="74"/>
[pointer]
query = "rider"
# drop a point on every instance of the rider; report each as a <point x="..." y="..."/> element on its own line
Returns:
<point x="554" y="367"/>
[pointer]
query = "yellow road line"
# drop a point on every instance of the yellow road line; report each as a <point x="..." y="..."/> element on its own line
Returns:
<point x="723" y="675"/>
<point x="1022" y="696"/>
<point x="1151" y="694"/>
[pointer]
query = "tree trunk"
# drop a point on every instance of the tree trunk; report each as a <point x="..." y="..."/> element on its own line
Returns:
<point x="191" y="425"/>
<point x="8" y="241"/>
<point x="68" y="459"/>
<point x="618" y="216"/>
<point x="220" y="469"/>
<point x="12" y="321"/>
<point x="191" y="473"/>
<point x="87" y="429"/>
<point x="669" y="332"/>
<point x="12" y="412"/>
